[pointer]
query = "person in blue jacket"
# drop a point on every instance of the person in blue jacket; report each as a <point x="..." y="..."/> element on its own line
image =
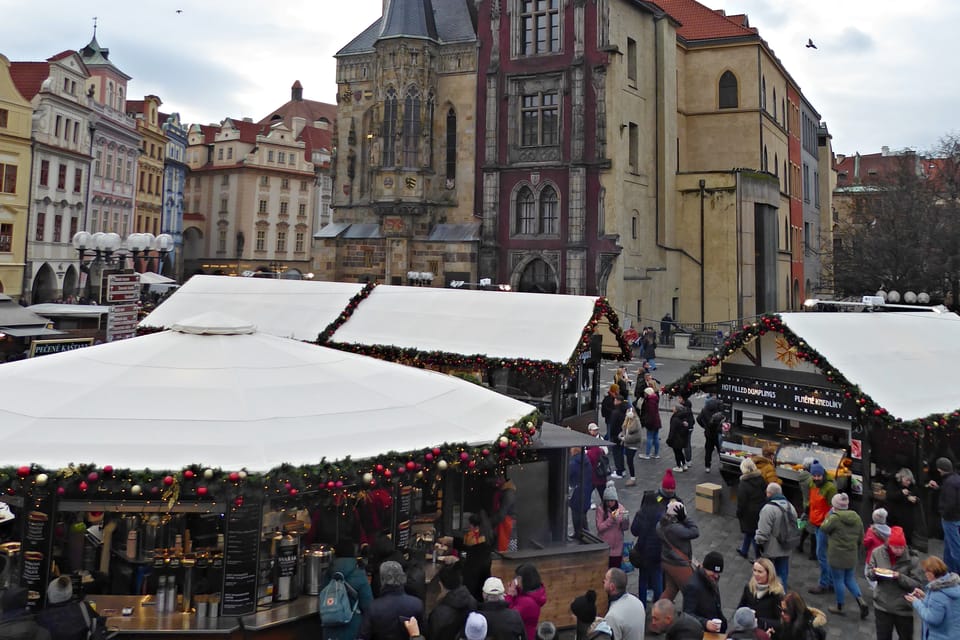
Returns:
<point x="345" y="563"/>
<point x="938" y="605"/>
<point x="580" y="480"/>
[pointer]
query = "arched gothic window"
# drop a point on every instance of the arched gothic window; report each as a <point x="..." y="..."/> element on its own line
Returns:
<point x="728" y="91"/>
<point x="549" y="215"/>
<point x="526" y="212"/>
<point x="390" y="129"/>
<point x="451" y="145"/>
<point x="411" y="128"/>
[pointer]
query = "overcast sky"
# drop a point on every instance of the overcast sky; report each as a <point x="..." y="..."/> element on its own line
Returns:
<point x="884" y="71"/>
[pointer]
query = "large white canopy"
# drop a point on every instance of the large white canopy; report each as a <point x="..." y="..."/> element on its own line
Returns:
<point x="298" y="309"/>
<point x="495" y="324"/>
<point x="233" y="399"/>
<point x="511" y="325"/>
<point x="149" y="277"/>
<point x="906" y="362"/>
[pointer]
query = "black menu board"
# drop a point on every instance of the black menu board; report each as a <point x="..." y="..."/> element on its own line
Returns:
<point x="242" y="546"/>
<point x="35" y="550"/>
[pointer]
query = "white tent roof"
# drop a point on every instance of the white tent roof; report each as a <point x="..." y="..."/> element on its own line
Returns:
<point x="498" y="325"/>
<point x="234" y="400"/>
<point x="298" y="309"/>
<point x="149" y="277"/>
<point x="905" y="362"/>
<point x="507" y="325"/>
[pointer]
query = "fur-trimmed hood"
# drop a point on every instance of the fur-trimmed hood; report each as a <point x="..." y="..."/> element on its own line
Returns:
<point x="819" y="617"/>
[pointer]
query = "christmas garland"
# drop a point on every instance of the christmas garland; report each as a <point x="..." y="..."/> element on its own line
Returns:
<point x="352" y="305"/>
<point x="412" y="356"/>
<point x="869" y="409"/>
<point x="332" y="481"/>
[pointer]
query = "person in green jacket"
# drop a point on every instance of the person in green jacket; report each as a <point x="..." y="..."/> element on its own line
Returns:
<point x="843" y="529"/>
<point x="896" y="570"/>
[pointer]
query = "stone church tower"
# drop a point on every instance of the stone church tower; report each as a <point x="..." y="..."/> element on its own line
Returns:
<point x="404" y="183"/>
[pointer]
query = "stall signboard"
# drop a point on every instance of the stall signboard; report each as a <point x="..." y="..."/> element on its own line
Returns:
<point x="46" y="347"/>
<point x="122" y="321"/>
<point x="36" y="547"/>
<point x="786" y="396"/>
<point x="240" y="559"/>
<point x="122" y="287"/>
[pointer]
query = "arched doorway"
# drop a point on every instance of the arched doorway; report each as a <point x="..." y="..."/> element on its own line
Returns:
<point x="70" y="283"/>
<point x="796" y="295"/>
<point x="192" y="244"/>
<point x="538" y="277"/>
<point x="44" y="285"/>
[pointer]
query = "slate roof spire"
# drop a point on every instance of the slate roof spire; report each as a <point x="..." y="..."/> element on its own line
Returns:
<point x="409" y="19"/>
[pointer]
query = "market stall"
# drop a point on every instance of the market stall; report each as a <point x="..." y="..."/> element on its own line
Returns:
<point x="184" y="477"/>
<point x="865" y="393"/>
<point x="540" y="348"/>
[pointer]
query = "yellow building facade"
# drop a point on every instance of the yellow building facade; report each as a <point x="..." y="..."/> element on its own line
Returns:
<point x="15" y="160"/>
<point x="149" y="193"/>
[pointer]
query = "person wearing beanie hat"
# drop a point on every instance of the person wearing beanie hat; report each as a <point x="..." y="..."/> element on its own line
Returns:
<point x="612" y="520"/>
<point x="896" y="571"/>
<point x="547" y="631"/>
<point x="843" y="529"/>
<point x="821" y="491"/>
<point x="751" y="494"/>
<point x="62" y="617"/>
<point x="475" y="627"/>
<point x="385" y="615"/>
<point x="877" y="534"/>
<point x="949" y="503"/>
<point x="584" y="609"/>
<point x="647" y="548"/>
<point x="676" y="531"/>
<point x="701" y="594"/>
<point x="744" y="619"/>
<point x="903" y="502"/>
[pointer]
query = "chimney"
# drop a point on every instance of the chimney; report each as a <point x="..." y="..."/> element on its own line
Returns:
<point x="296" y="91"/>
<point x="840" y="158"/>
<point x="248" y="119"/>
<point x="298" y="125"/>
<point x="884" y="150"/>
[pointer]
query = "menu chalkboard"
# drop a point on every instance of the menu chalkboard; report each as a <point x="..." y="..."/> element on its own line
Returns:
<point x="37" y="539"/>
<point x="242" y="546"/>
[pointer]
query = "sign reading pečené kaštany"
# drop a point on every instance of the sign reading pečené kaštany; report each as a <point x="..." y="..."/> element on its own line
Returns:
<point x="46" y="347"/>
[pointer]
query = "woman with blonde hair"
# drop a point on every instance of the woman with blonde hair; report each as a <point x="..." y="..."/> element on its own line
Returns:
<point x="764" y="593"/>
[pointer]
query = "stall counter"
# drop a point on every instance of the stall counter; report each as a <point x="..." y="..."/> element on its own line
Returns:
<point x="144" y="621"/>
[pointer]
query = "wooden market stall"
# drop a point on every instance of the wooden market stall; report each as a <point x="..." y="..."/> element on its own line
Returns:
<point x="300" y="446"/>
<point x="867" y="393"/>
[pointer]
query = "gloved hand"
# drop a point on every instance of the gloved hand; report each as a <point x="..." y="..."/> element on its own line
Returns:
<point x="681" y="512"/>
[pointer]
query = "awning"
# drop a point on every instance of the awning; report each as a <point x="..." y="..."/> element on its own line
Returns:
<point x="553" y="436"/>
<point x="26" y="332"/>
<point x="149" y="277"/>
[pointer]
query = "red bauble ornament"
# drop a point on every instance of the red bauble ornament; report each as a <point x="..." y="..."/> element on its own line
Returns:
<point x="108" y="470"/>
<point x="23" y="471"/>
<point x="411" y="465"/>
<point x="401" y="469"/>
<point x="61" y="491"/>
<point x="428" y="457"/>
<point x="514" y="431"/>
<point x="201" y="491"/>
<point x="238" y="501"/>
<point x="472" y="464"/>
<point x="379" y="468"/>
<point x="387" y="473"/>
<point x="338" y="483"/>
<point x="188" y="474"/>
<point x="287" y="486"/>
<point x="154" y="490"/>
<point x="168" y="480"/>
<point x="436" y="451"/>
<point x="464" y="456"/>
<point x="83" y="485"/>
<point x="93" y="476"/>
<point x="294" y="491"/>
<point x="331" y="484"/>
<point x="502" y="444"/>
<point x="234" y="476"/>
<point x="485" y="452"/>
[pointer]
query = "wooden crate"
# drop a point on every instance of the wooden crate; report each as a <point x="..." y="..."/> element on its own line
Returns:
<point x="708" y="497"/>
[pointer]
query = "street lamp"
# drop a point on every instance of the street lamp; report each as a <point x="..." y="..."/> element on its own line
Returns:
<point x="420" y="278"/>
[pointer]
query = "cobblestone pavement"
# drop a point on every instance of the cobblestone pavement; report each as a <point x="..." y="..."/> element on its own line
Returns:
<point x="721" y="532"/>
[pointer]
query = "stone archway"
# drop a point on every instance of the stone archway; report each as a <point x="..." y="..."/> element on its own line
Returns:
<point x="70" y="283"/>
<point x="538" y="277"/>
<point x="44" y="285"/>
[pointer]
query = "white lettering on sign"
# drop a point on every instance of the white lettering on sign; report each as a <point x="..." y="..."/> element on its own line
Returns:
<point x="817" y="401"/>
<point x="749" y="391"/>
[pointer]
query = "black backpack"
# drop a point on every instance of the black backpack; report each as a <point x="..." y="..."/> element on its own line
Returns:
<point x="602" y="467"/>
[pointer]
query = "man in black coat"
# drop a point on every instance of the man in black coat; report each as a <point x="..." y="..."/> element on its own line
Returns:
<point x="503" y="623"/>
<point x="455" y="603"/>
<point x="711" y="418"/>
<point x="677" y="625"/>
<point x="385" y="619"/>
<point x="701" y="594"/>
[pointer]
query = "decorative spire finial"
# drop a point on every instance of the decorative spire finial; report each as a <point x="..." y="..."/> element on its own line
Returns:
<point x="94" y="26"/>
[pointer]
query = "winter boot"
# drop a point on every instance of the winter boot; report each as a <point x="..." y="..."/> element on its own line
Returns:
<point x="836" y="608"/>
<point x="864" y="609"/>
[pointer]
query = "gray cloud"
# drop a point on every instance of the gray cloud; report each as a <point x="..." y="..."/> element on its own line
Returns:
<point x="850" y="40"/>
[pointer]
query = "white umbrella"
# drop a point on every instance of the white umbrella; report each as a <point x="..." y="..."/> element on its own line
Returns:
<point x="215" y="392"/>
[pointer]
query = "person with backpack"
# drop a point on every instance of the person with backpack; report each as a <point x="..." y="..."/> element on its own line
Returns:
<point x="579" y="478"/>
<point x="356" y="587"/>
<point x="777" y="532"/>
<point x="64" y="618"/>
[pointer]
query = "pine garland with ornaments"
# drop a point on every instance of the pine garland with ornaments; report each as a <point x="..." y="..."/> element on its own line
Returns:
<point x="477" y="362"/>
<point x="327" y="481"/>
<point x="872" y="412"/>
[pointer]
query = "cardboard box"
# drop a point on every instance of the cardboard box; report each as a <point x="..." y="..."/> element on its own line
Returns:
<point x="708" y="497"/>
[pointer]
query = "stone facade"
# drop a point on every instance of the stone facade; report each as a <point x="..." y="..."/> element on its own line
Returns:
<point x="174" y="182"/>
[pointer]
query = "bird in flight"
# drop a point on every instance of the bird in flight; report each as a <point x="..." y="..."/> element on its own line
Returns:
<point x="810" y="44"/>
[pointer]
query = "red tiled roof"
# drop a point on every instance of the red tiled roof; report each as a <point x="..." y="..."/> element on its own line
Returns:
<point x="871" y="168"/>
<point x="316" y="138"/>
<point x="135" y="106"/>
<point x="248" y="130"/>
<point x="66" y="53"/>
<point x="29" y="76"/>
<point x="309" y="110"/>
<point x="698" y="22"/>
